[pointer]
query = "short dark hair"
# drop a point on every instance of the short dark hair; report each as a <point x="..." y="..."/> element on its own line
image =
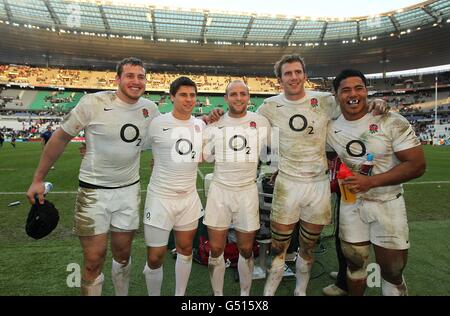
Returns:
<point x="346" y="73"/>
<point x="287" y="59"/>
<point x="181" y="81"/>
<point x="128" y="61"/>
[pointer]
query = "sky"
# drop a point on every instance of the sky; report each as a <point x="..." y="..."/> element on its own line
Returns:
<point x="311" y="8"/>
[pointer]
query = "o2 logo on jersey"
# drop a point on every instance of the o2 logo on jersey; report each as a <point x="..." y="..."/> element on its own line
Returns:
<point x="238" y="143"/>
<point x="298" y="123"/>
<point x="184" y="147"/>
<point x="130" y="133"/>
<point x="356" y="148"/>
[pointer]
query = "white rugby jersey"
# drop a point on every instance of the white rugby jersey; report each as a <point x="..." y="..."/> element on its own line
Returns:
<point x="114" y="132"/>
<point x="380" y="135"/>
<point x="302" y="127"/>
<point x="177" y="149"/>
<point x="236" y="144"/>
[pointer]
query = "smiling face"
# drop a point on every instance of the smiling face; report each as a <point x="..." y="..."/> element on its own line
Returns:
<point x="183" y="102"/>
<point x="293" y="80"/>
<point x="237" y="98"/>
<point x="352" y="97"/>
<point x="131" y="83"/>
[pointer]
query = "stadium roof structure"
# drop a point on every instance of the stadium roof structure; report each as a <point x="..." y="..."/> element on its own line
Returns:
<point x="98" y="34"/>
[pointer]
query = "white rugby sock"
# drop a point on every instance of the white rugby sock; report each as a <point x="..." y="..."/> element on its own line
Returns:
<point x="302" y="274"/>
<point x="245" y="268"/>
<point x="153" y="279"/>
<point x="120" y="275"/>
<point x="275" y="274"/>
<point x="389" y="289"/>
<point x="216" y="267"/>
<point x="92" y="288"/>
<point x="183" y="268"/>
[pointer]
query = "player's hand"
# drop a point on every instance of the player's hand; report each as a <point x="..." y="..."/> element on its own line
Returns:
<point x="358" y="183"/>
<point x="215" y="115"/>
<point x="82" y="150"/>
<point x="378" y="106"/>
<point x="36" y="189"/>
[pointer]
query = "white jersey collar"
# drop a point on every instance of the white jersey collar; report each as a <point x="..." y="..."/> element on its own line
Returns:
<point x="299" y="101"/>
<point x="236" y="119"/>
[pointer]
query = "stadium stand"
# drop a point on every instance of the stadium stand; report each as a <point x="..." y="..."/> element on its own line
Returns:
<point x="86" y="79"/>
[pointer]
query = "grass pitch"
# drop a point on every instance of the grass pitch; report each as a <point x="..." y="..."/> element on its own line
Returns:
<point x="29" y="267"/>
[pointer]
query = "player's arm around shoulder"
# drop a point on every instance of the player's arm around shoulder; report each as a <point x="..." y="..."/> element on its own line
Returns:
<point x="378" y="106"/>
<point x="213" y="116"/>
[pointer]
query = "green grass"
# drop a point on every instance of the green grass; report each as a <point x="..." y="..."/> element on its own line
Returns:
<point x="29" y="267"/>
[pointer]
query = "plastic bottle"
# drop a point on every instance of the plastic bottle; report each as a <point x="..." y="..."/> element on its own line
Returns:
<point x="367" y="166"/>
<point x="346" y="195"/>
<point x="48" y="186"/>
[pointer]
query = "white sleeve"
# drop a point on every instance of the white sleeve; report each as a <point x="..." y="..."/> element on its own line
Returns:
<point x="154" y="112"/>
<point x="77" y="119"/>
<point x="403" y="135"/>
<point x="335" y="109"/>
